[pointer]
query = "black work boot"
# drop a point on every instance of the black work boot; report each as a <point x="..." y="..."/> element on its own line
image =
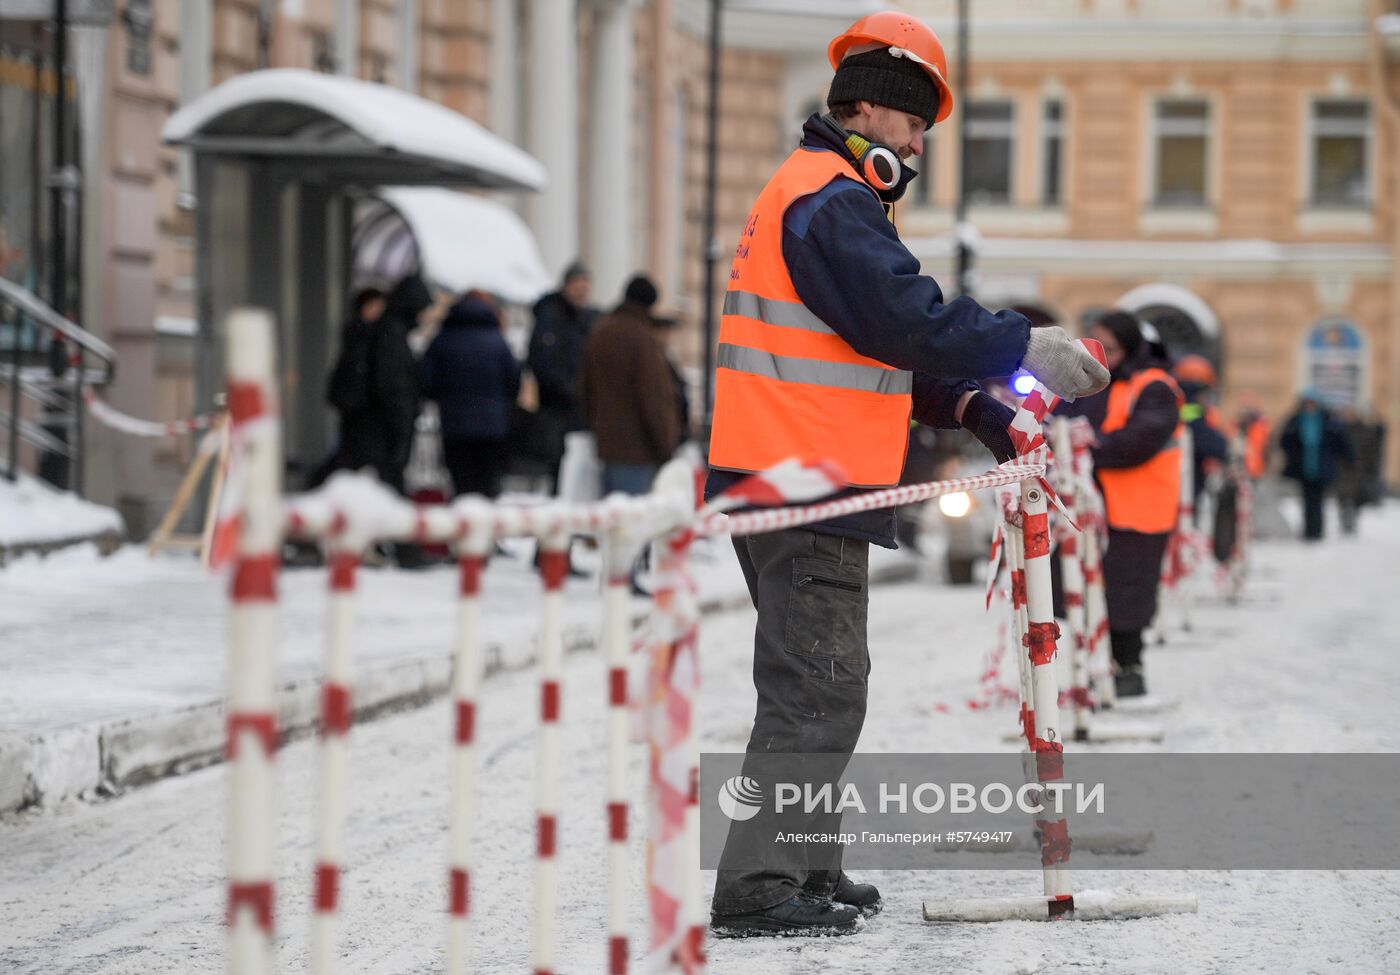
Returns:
<point x="802" y="915"/>
<point x="1129" y="682"/>
<point x="863" y="897"/>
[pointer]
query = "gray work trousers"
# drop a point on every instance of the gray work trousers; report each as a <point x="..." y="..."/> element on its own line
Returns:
<point x="811" y="664"/>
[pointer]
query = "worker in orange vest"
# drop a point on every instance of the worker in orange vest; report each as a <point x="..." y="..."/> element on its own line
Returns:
<point x="1210" y="435"/>
<point x="1137" y="463"/>
<point x="1257" y="432"/>
<point x="831" y="340"/>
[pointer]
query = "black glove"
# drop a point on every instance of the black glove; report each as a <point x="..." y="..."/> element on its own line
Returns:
<point x="987" y="418"/>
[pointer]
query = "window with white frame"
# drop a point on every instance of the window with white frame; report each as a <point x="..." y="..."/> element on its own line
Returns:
<point x="1340" y="142"/>
<point x="1053" y="152"/>
<point x="1183" y="136"/>
<point x="987" y="154"/>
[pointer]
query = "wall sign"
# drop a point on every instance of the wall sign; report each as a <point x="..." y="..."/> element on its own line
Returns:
<point x="1334" y="360"/>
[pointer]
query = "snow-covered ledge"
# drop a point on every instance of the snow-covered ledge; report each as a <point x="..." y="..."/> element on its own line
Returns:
<point x="35" y="517"/>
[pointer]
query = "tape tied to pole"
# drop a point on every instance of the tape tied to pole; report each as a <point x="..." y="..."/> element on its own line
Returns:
<point x="1040" y="641"/>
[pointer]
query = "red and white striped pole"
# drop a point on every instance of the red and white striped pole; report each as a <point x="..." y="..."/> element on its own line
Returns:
<point x="344" y="551"/>
<point x="1042" y="633"/>
<point x="554" y="568"/>
<point x="1244" y="522"/>
<point x="1176" y="565"/>
<point x="1016" y="576"/>
<point x="1072" y="578"/>
<point x="620" y="553"/>
<point x="254" y="632"/>
<point x="1091" y="564"/>
<point x="471" y="551"/>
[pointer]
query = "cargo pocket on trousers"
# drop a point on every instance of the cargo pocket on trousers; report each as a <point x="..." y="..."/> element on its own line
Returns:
<point x="826" y="620"/>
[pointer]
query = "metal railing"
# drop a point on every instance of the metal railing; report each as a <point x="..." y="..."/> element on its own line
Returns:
<point x="91" y="361"/>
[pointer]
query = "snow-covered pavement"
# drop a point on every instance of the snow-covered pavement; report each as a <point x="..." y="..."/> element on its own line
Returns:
<point x="135" y="885"/>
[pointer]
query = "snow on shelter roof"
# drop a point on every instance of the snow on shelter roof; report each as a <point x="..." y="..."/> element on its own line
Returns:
<point x="459" y="242"/>
<point x="355" y="130"/>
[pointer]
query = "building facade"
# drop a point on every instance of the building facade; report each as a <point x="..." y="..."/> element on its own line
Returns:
<point x="1228" y="168"/>
<point x="610" y="95"/>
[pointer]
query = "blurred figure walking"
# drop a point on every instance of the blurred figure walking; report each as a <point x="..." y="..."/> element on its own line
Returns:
<point x="348" y="389"/>
<point x="1314" y="444"/>
<point x="563" y="320"/>
<point x="628" y="394"/>
<point x="394" y="389"/>
<point x="472" y="375"/>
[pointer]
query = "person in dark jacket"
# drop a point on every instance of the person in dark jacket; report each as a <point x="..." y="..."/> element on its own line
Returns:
<point x="1313" y="445"/>
<point x="563" y="320"/>
<point x="472" y="375"/>
<point x="1135" y="422"/>
<point x="348" y="389"/>
<point x="627" y="395"/>
<point x="394" y="389"/>
<point x="1210" y="439"/>
<point x="1359" y="480"/>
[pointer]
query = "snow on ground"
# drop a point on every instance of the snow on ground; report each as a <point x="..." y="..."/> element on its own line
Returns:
<point x="89" y="639"/>
<point x="34" y="512"/>
<point x="135" y="885"/>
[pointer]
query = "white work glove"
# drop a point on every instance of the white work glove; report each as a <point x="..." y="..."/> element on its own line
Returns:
<point x="1062" y="364"/>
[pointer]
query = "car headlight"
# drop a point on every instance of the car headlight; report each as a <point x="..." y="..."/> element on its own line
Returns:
<point x="955" y="505"/>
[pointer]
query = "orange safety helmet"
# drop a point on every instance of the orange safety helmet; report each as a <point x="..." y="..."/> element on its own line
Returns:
<point x="1194" y="369"/>
<point x="906" y="36"/>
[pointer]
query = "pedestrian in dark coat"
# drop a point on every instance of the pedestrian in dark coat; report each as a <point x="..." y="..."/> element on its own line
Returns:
<point x="394" y="384"/>
<point x="472" y="375"/>
<point x="563" y="320"/>
<point x="627" y="393"/>
<point x="1359" y="481"/>
<point x="348" y="389"/>
<point x="1313" y="444"/>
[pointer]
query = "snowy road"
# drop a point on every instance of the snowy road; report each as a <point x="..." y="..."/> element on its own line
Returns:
<point x="1309" y="664"/>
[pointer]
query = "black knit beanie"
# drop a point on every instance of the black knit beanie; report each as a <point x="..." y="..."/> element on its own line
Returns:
<point x="880" y="77"/>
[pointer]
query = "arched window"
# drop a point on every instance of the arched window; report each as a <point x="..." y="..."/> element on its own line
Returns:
<point x="1186" y="323"/>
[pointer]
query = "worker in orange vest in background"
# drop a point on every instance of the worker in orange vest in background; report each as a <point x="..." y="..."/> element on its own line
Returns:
<point x="1137" y="462"/>
<point x="1257" y="430"/>
<point x="831" y="340"/>
<point x="1210" y="434"/>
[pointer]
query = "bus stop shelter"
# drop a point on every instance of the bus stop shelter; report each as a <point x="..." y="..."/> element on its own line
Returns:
<point x="282" y="158"/>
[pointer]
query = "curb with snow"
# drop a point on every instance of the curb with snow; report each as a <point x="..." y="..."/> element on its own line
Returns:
<point x="99" y="760"/>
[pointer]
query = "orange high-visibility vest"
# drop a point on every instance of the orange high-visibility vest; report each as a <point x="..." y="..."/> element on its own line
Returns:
<point x="1144" y="498"/>
<point x="786" y="385"/>
<point x="1256" y="448"/>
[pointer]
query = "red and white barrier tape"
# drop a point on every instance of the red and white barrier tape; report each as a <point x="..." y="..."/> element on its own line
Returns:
<point x="110" y="416"/>
<point x="759" y="522"/>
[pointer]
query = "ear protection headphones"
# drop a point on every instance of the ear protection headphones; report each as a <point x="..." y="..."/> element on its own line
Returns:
<point x="879" y="165"/>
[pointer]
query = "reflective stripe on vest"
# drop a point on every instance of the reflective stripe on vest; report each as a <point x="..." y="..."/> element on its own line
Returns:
<point x="1144" y="498"/>
<point x="786" y="384"/>
<point x="814" y="372"/>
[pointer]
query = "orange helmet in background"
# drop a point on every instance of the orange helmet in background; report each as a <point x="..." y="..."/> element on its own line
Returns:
<point x="1194" y="369"/>
<point x="906" y="36"/>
